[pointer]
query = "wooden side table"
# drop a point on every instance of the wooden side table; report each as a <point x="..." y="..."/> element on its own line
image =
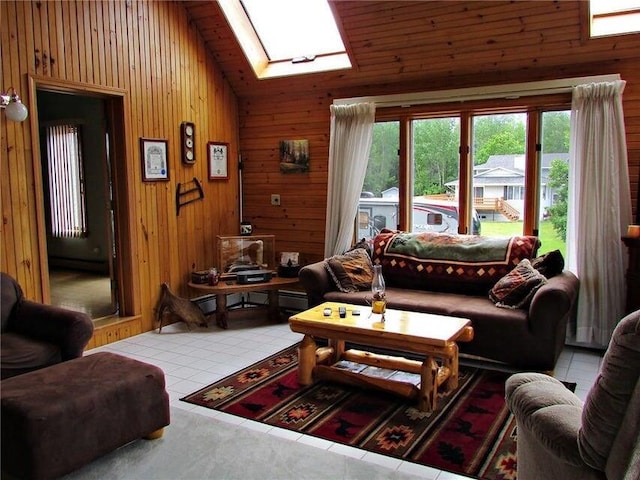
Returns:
<point x="224" y="288"/>
<point x="633" y="273"/>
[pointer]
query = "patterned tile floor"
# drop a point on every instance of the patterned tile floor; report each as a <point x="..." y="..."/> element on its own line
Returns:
<point x="196" y="358"/>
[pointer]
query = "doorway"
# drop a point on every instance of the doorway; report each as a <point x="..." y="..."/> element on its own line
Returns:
<point x="77" y="180"/>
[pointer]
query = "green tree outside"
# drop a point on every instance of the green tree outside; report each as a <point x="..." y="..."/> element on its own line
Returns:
<point x="559" y="181"/>
<point x="382" y="169"/>
<point x="436" y="147"/>
<point x="498" y="135"/>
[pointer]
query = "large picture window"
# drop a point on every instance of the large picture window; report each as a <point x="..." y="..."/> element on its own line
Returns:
<point x="66" y="181"/>
<point x="491" y="170"/>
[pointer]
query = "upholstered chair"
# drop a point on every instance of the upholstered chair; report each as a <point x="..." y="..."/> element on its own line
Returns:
<point x="559" y="437"/>
<point x="34" y="335"/>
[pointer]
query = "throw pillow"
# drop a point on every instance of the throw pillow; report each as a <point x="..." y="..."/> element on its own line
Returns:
<point x="516" y="288"/>
<point x="550" y="264"/>
<point x="351" y="271"/>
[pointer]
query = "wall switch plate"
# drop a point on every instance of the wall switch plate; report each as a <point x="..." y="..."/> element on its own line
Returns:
<point x="275" y="199"/>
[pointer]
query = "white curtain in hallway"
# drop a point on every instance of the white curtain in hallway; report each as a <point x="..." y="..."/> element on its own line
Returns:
<point x="599" y="208"/>
<point x="349" y="146"/>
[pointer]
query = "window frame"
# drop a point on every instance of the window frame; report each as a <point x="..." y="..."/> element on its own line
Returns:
<point x="533" y="106"/>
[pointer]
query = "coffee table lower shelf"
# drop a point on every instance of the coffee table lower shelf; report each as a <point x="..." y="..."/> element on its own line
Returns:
<point x="418" y="381"/>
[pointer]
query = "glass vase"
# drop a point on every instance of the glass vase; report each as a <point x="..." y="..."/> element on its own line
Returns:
<point x="378" y="303"/>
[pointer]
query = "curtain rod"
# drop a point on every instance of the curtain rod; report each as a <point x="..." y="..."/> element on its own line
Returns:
<point x="514" y="90"/>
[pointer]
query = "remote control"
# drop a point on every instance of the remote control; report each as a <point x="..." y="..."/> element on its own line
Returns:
<point x="326" y="312"/>
<point x="342" y="311"/>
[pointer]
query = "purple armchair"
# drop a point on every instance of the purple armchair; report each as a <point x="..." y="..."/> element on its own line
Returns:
<point x="34" y="335"/>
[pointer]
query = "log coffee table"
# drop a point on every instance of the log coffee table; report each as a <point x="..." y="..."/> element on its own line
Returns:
<point x="433" y="336"/>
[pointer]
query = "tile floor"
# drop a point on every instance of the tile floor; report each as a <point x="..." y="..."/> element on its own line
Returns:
<point x="196" y="358"/>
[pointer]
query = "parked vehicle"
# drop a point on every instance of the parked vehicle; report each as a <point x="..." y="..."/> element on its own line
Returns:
<point x="429" y="215"/>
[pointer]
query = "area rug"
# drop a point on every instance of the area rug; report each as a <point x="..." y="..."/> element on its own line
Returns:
<point x="471" y="431"/>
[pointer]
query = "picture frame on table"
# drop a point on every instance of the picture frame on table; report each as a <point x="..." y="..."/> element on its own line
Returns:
<point x="218" y="160"/>
<point x="155" y="164"/>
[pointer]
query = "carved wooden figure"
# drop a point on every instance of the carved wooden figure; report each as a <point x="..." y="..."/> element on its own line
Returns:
<point x="183" y="309"/>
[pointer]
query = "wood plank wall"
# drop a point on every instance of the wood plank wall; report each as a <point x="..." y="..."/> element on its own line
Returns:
<point x="150" y="51"/>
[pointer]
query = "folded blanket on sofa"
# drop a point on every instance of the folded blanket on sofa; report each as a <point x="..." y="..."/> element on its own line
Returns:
<point x="450" y="262"/>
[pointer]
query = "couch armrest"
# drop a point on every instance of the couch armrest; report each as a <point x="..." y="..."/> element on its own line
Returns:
<point x="316" y="282"/>
<point x="549" y="413"/>
<point x="68" y="329"/>
<point x="551" y="308"/>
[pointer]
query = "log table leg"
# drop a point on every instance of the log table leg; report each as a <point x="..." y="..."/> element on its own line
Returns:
<point x="307" y="360"/>
<point x="274" y="305"/>
<point x="338" y="349"/>
<point x="221" y="310"/>
<point x="450" y="361"/>
<point x="428" y="385"/>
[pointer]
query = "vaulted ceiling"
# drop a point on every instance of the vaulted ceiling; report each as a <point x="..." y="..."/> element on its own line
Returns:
<point x="426" y="43"/>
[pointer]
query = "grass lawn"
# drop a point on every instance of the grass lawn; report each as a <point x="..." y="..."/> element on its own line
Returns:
<point x="548" y="236"/>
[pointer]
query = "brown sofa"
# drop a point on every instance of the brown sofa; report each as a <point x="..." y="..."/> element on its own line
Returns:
<point x="531" y="337"/>
<point x="34" y="335"/>
<point x="560" y="437"/>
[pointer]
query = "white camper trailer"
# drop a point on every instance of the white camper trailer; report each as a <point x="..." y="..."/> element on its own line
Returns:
<point x="428" y="215"/>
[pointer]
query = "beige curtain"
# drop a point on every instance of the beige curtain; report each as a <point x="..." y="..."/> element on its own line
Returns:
<point x="349" y="146"/>
<point x="599" y="208"/>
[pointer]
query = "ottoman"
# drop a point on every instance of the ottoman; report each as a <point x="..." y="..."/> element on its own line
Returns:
<point x="59" y="418"/>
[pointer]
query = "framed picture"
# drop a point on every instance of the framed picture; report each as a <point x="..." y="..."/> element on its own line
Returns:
<point x="217" y="156"/>
<point x="155" y="167"/>
<point x="294" y="156"/>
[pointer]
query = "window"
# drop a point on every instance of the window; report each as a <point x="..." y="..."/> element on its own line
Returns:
<point x="514" y="192"/>
<point x="617" y="17"/>
<point x="517" y="164"/>
<point x="66" y="181"/>
<point x="378" y="206"/>
<point x="287" y="37"/>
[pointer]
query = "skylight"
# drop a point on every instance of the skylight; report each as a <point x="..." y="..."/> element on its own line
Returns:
<point x="287" y="37"/>
<point x="294" y="28"/>
<point x="614" y="17"/>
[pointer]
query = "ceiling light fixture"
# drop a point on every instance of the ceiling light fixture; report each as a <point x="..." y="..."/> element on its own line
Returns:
<point x="14" y="108"/>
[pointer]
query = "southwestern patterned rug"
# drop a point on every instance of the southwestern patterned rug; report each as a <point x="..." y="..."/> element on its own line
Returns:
<point x="471" y="432"/>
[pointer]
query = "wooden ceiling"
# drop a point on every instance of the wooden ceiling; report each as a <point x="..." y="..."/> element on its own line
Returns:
<point x="394" y="44"/>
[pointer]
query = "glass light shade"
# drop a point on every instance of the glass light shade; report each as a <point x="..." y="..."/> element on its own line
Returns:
<point x="377" y="285"/>
<point x="16" y="111"/>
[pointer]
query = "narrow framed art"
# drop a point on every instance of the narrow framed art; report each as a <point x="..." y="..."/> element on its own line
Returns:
<point x="155" y="165"/>
<point x="217" y="157"/>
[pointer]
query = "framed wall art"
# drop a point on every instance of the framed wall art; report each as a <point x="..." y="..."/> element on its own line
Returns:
<point x="155" y="166"/>
<point x="294" y="156"/>
<point x="217" y="157"/>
